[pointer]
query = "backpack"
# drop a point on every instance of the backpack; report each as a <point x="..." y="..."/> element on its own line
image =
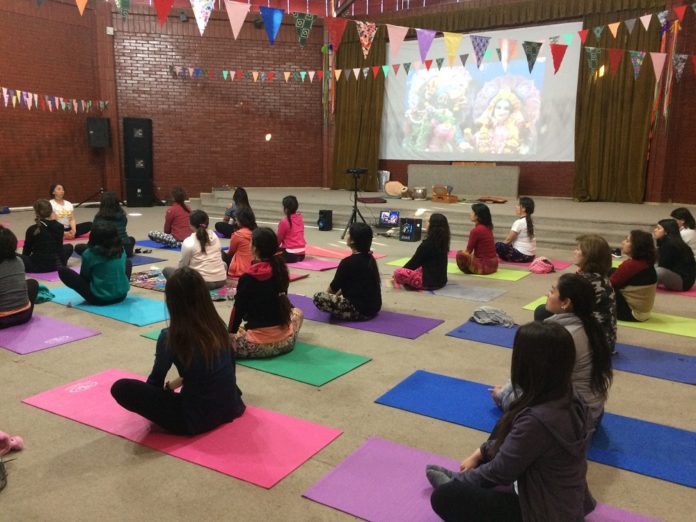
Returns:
<point x="542" y="265"/>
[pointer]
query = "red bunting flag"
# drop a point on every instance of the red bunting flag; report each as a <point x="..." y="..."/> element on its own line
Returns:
<point x="336" y="27"/>
<point x="163" y="7"/>
<point x="557" y="52"/>
<point x="428" y="63"/>
<point x="679" y="11"/>
<point x="320" y="75"/>
<point x="396" y="67"/>
<point x="583" y="35"/>
<point x="270" y="76"/>
<point x="615" y="57"/>
<point x="375" y="70"/>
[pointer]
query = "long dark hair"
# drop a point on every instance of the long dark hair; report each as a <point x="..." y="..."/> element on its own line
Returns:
<point x="685" y="215"/>
<point x="543" y="357"/>
<point x="194" y="324"/>
<point x="672" y="235"/>
<point x="52" y="189"/>
<point x="199" y="220"/>
<point x="361" y="240"/>
<point x="439" y="232"/>
<point x="642" y="246"/>
<point x="104" y="239"/>
<point x="179" y="196"/>
<point x="240" y="198"/>
<point x="109" y="207"/>
<point x="265" y="242"/>
<point x="596" y="254"/>
<point x="245" y="218"/>
<point x="43" y="210"/>
<point x="581" y="294"/>
<point x="290" y="206"/>
<point x="8" y="244"/>
<point x="483" y="215"/>
<point x="528" y="205"/>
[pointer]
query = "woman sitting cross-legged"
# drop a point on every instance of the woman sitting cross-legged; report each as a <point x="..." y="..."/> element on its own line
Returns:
<point x="17" y="295"/>
<point x="676" y="266"/>
<point x="635" y="281"/>
<point x="427" y="269"/>
<point x="480" y="256"/>
<point x="271" y="322"/>
<point x="197" y="343"/>
<point x="355" y="293"/>
<point x="104" y="276"/>
<point x="43" y="249"/>
<point x="540" y="444"/>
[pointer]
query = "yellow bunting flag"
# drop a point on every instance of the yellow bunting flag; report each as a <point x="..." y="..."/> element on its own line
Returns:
<point x="452" y="41"/>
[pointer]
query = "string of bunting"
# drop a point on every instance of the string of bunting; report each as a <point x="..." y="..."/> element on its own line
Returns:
<point x="18" y="99"/>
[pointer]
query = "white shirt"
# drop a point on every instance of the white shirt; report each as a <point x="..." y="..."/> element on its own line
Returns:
<point x="689" y="237"/>
<point x="209" y="264"/>
<point x="63" y="212"/>
<point x="523" y="243"/>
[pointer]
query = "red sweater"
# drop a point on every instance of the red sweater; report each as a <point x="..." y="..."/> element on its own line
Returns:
<point x="176" y="222"/>
<point x="481" y="242"/>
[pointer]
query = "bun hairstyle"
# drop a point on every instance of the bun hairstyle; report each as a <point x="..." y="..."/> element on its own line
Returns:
<point x="290" y="206"/>
<point x="43" y="210"/>
<point x="198" y="219"/>
<point x="684" y="215"/>
<point x="528" y="205"/>
<point x="265" y="242"/>
<point x="439" y="231"/>
<point x="179" y="196"/>
<point x="483" y="214"/>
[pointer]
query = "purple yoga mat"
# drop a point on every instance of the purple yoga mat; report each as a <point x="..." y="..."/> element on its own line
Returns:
<point x="51" y="277"/>
<point x="385" y="481"/>
<point x="389" y="323"/>
<point x="312" y="263"/>
<point x="41" y="332"/>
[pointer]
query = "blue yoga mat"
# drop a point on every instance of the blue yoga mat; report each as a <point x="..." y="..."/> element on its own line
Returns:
<point x="139" y="259"/>
<point x="633" y="359"/>
<point x="147" y="243"/>
<point x="136" y="310"/>
<point x="631" y="444"/>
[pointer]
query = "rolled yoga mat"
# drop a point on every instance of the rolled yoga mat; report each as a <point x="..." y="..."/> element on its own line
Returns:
<point x="40" y="333"/>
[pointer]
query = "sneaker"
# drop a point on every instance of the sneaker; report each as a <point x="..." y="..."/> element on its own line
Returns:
<point x="616" y="253"/>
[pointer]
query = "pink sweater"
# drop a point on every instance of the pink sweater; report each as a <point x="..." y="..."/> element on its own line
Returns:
<point x="292" y="238"/>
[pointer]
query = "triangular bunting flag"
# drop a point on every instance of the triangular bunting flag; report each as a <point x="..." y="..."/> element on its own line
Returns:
<point x="366" y="34"/>
<point x="356" y="72"/>
<point x="396" y="68"/>
<point x="320" y="75"/>
<point x="615" y="57"/>
<point x="5" y="96"/>
<point x="14" y="102"/>
<point x="425" y="40"/>
<point x="303" y="26"/>
<point x="464" y="58"/>
<point x="592" y="54"/>
<point x="452" y="42"/>
<point x="637" y="58"/>
<point x="197" y="72"/>
<point x="557" y="53"/>
<point x="248" y="75"/>
<point x="43" y="103"/>
<point x="346" y="73"/>
<point x="658" y="61"/>
<point x="232" y="74"/>
<point x="531" y="51"/>
<point x="272" y="18"/>
<point x="286" y="75"/>
<point x="680" y="11"/>
<point x="583" y="35"/>
<point x="123" y="6"/>
<point x="693" y="6"/>
<point x="678" y="63"/>
<point x="427" y="64"/>
<point x="439" y="61"/>
<point x="396" y="34"/>
<point x="568" y="38"/>
<point x="335" y="27"/>
<point x="507" y="51"/>
<point x="385" y="70"/>
<point x="211" y="73"/>
<point x="236" y="12"/>
<point x="407" y="67"/>
<point x="255" y="75"/>
<point x="202" y="10"/>
<point x="81" y="4"/>
<point x="614" y="28"/>
<point x="375" y="70"/>
<point x="480" y="44"/>
<point x="630" y="24"/>
<point x="311" y="75"/>
<point x="337" y="73"/>
<point x="365" y="70"/>
<point x="598" y="31"/>
<point x="74" y="102"/>
<point x="225" y="74"/>
<point x="163" y="7"/>
<point x="645" y="20"/>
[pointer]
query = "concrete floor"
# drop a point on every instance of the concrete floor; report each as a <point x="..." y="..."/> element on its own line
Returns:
<point x="72" y="472"/>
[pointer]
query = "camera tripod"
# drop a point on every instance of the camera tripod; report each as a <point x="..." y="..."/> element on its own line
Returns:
<point x="356" y="212"/>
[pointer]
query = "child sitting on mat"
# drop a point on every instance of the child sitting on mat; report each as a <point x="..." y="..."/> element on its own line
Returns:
<point x="676" y="266"/>
<point x="427" y="269"/>
<point x="480" y="256"/>
<point x="110" y="211"/>
<point x="520" y="244"/>
<point x="229" y="224"/>
<point x="355" y="293"/>
<point x="201" y="252"/>
<point x="291" y="232"/>
<point x="687" y="226"/>
<point x="635" y="281"/>
<point x="104" y="276"/>
<point x="239" y="254"/>
<point x="271" y="322"/>
<point x="43" y="249"/>
<point x="17" y="295"/>
<point x="539" y="444"/>
<point x="176" y="221"/>
<point x="197" y="343"/>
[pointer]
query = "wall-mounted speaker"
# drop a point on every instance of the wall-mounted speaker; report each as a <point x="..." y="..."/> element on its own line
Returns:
<point x="98" y="133"/>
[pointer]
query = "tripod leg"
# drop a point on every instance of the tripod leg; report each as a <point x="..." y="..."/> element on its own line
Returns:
<point x="361" y="216"/>
<point x="353" y="219"/>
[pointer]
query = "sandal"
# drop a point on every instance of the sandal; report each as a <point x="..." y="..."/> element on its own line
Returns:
<point x="138" y="251"/>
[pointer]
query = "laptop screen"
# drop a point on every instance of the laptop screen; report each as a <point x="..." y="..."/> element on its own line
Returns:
<point x="389" y="218"/>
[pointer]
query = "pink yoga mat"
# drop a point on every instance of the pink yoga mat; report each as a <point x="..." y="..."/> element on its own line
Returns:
<point x="261" y="446"/>
<point x="385" y="481"/>
<point x="688" y="293"/>
<point x="312" y="263"/>
<point x="51" y="277"/>
<point x="558" y="265"/>
<point x="40" y="333"/>
<point x="333" y="253"/>
<point x="81" y="239"/>
<point x="295" y="277"/>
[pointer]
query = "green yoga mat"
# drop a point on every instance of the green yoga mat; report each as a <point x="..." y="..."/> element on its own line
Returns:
<point x="503" y="274"/>
<point x="663" y="323"/>
<point x="153" y="334"/>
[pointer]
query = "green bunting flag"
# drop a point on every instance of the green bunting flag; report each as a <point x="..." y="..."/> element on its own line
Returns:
<point x="303" y="25"/>
<point x="531" y="51"/>
<point x="439" y="62"/>
<point x="592" y="54"/>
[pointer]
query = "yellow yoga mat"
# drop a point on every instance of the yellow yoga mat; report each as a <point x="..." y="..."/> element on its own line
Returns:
<point x="663" y="323"/>
<point x="503" y="274"/>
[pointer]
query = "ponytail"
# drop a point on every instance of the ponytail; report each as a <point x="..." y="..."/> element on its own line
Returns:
<point x="202" y="236"/>
<point x="530" y="225"/>
<point x="528" y="205"/>
<point x="281" y="282"/>
<point x="43" y="210"/>
<point x="199" y="220"/>
<point x="290" y="206"/>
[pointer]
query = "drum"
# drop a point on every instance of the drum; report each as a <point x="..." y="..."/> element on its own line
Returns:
<point x="420" y="193"/>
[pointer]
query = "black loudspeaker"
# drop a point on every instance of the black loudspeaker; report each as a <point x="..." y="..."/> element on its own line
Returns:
<point x="325" y="221"/>
<point x="410" y="229"/>
<point x="139" y="192"/>
<point x="137" y="148"/>
<point x="98" y="133"/>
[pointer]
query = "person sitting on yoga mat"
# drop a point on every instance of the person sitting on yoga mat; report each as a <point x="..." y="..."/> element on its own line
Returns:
<point x="239" y="255"/>
<point x="229" y="224"/>
<point x="592" y="256"/>
<point x="539" y="445"/>
<point x="427" y="269"/>
<point x="676" y="266"/>
<point x="291" y="231"/>
<point x="271" y="322"/>
<point x="355" y="293"/>
<point x="201" y="252"/>
<point x="176" y="221"/>
<point x="43" y="249"/>
<point x="65" y="215"/>
<point x="687" y="226"/>
<point x="635" y="281"/>
<point x="110" y="211"/>
<point x="104" y="276"/>
<point x="17" y="295"/>
<point x="480" y="256"/>
<point x="571" y="301"/>
<point x="520" y="244"/>
<point x="197" y="343"/>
